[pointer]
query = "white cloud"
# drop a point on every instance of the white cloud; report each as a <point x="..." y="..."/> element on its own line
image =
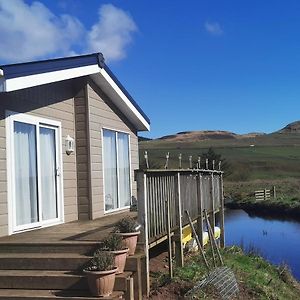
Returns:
<point x="33" y="31"/>
<point x="30" y="32"/>
<point x="112" y="33"/>
<point x="213" y="28"/>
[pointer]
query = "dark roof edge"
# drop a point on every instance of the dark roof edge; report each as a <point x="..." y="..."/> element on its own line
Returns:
<point x="54" y="59"/>
<point x="51" y="65"/>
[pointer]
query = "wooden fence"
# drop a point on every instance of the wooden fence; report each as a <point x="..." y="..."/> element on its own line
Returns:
<point x="265" y="194"/>
<point x="165" y="195"/>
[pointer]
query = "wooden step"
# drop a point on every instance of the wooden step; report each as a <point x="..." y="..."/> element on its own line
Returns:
<point x="55" y="261"/>
<point x="79" y="247"/>
<point x="52" y="280"/>
<point x="8" y="294"/>
<point x="43" y="261"/>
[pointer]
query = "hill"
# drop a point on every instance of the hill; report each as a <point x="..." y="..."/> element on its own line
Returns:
<point x="192" y="136"/>
<point x="291" y="128"/>
<point x="257" y="160"/>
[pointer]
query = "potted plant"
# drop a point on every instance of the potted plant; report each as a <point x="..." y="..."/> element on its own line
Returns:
<point x="114" y="244"/>
<point x="101" y="273"/>
<point x="129" y="230"/>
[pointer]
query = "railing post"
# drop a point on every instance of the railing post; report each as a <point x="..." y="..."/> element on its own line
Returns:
<point x="141" y="178"/>
<point x="200" y="209"/>
<point x="222" y="225"/>
<point x="212" y="213"/>
<point x="169" y="237"/>
<point x="178" y="233"/>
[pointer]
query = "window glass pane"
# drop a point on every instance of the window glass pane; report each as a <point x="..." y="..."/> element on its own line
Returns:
<point x="123" y="169"/>
<point x="26" y="196"/>
<point x="48" y="173"/>
<point x="110" y="170"/>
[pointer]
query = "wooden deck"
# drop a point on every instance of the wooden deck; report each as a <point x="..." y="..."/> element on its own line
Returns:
<point x="47" y="263"/>
<point x="77" y="231"/>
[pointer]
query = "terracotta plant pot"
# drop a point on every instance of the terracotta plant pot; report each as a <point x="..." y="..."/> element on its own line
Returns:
<point x="101" y="283"/>
<point x="120" y="259"/>
<point x="130" y="240"/>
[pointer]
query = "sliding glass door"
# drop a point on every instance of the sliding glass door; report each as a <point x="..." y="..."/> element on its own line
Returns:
<point x="123" y="169"/>
<point x="117" y="188"/>
<point x="35" y="187"/>
<point x="48" y="171"/>
<point x="26" y="180"/>
<point x="110" y="170"/>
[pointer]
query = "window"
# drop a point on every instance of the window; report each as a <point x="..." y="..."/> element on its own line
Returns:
<point x="116" y="161"/>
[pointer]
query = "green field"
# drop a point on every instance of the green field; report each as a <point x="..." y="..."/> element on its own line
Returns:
<point x="273" y="160"/>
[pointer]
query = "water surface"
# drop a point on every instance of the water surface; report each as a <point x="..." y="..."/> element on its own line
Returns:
<point x="277" y="241"/>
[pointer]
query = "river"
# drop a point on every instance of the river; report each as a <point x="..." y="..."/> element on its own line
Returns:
<point x="276" y="240"/>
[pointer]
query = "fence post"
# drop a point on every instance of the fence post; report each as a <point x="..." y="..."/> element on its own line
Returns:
<point x="178" y="232"/>
<point x="222" y="222"/>
<point x="141" y="179"/>
<point x="200" y="209"/>
<point x="274" y="192"/>
<point x="265" y="194"/>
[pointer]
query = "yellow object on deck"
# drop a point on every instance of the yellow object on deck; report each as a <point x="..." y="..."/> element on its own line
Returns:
<point x="187" y="235"/>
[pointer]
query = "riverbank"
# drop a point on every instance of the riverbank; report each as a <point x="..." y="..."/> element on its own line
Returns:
<point x="269" y="208"/>
<point x="240" y="195"/>
<point x="257" y="279"/>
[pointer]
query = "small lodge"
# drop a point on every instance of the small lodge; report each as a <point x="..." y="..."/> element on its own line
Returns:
<point x="69" y="170"/>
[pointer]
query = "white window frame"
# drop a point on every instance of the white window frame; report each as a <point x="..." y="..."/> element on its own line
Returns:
<point x="12" y="116"/>
<point x="130" y="169"/>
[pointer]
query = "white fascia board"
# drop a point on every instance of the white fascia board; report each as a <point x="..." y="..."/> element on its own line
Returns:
<point x="126" y="103"/>
<point x="23" y="82"/>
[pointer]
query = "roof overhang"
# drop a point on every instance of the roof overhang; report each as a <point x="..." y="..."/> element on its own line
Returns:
<point x="118" y="97"/>
<point x="28" y="75"/>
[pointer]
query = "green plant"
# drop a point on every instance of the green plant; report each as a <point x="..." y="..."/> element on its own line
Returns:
<point x="113" y="242"/>
<point x="212" y="155"/>
<point x="101" y="261"/>
<point x="125" y="225"/>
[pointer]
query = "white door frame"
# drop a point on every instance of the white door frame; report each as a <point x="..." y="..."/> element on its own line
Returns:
<point x="38" y="122"/>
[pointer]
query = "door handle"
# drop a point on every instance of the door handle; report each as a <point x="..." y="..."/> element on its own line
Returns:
<point x="58" y="171"/>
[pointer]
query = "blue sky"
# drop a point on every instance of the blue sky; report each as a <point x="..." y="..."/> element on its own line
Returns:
<point x="191" y="65"/>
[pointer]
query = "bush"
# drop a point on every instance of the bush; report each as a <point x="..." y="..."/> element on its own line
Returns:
<point x="102" y="261"/>
<point x="113" y="242"/>
<point x="126" y="224"/>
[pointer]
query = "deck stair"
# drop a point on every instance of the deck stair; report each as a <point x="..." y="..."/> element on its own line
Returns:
<point x="53" y="271"/>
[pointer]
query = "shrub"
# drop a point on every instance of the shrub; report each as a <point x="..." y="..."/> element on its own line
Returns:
<point x="113" y="242"/>
<point x="102" y="261"/>
<point x="126" y="224"/>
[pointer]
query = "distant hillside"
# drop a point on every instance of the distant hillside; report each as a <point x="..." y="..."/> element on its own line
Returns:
<point x="142" y="138"/>
<point x="291" y="128"/>
<point x="226" y="136"/>
<point x="194" y="136"/>
<point x="253" y="156"/>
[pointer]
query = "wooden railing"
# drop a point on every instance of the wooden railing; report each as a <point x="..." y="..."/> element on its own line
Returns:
<point x="192" y="190"/>
<point x="165" y="195"/>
